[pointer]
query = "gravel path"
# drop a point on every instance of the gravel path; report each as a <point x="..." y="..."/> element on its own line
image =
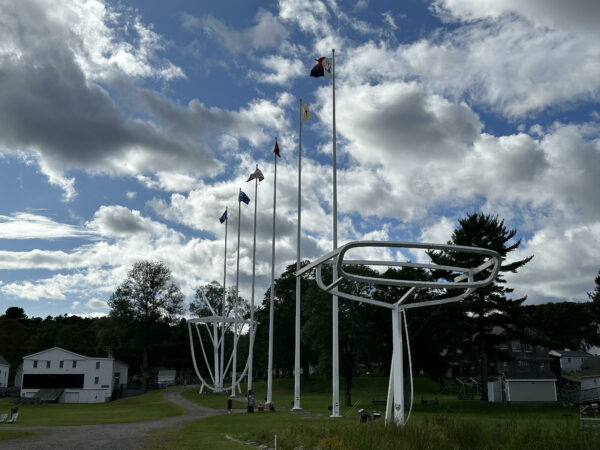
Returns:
<point x="110" y="436"/>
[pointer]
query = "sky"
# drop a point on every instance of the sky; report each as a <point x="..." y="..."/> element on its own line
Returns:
<point x="127" y="128"/>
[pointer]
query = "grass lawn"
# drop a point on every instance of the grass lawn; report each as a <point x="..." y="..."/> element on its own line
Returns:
<point x="133" y="409"/>
<point x="453" y="423"/>
<point x="7" y="435"/>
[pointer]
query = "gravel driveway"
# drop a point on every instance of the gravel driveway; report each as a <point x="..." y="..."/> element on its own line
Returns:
<point x="110" y="436"/>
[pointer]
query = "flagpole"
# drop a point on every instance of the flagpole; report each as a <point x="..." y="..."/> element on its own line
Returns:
<point x="298" y="284"/>
<point x="237" y="298"/>
<point x="251" y="349"/>
<point x="271" y="306"/>
<point x="335" y="332"/>
<point x="223" y="306"/>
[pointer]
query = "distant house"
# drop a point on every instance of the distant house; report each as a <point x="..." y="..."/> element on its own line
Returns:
<point x="4" y="368"/>
<point x="166" y="377"/>
<point x="73" y="378"/>
<point x="590" y="380"/>
<point x="538" y="386"/>
<point x="522" y="356"/>
<point x="569" y="360"/>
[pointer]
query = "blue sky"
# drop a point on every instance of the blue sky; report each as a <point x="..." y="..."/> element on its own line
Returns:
<point x="128" y="127"/>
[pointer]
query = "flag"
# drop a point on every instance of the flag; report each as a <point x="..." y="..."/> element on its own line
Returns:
<point x="223" y="218"/>
<point x="304" y="113"/>
<point x="276" y="149"/>
<point x="322" y="69"/>
<point x="243" y="198"/>
<point x="256" y="174"/>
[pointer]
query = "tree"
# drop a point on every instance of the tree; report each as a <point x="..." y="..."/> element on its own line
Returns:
<point x="146" y="302"/>
<point x="487" y="307"/>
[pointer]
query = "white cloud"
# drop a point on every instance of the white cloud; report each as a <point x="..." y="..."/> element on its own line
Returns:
<point x="131" y="195"/>
<point x="281" y="70"/>
<point x="96" y="303"/>
<point x="23" y="225"/>
<point x="268" y="32"/>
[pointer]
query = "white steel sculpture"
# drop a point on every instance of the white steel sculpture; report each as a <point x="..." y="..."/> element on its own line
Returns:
<point x="463" y="278"/>
<point x="217" y="327"/>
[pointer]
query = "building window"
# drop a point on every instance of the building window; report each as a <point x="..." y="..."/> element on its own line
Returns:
<point x="523" y="363"/>
<point x="97" y="365"/>
<point x="61" y="364"/>
<point x="47" y="364"/>
<point x="96" y="380"/>
<point x="74" y="364"/>
<point x="34" y="364"/>
<point x="568" y="359"/>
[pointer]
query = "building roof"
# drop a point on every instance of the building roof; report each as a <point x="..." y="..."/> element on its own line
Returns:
<point x="530" y="375"/>
<point x="571" y="353"/>
<point x="76" y="355"/>
<point x="3" y="362"/>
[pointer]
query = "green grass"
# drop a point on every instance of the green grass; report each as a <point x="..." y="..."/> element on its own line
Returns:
<point x="134" y="409"/>
<point x="7" y="435"/>
<point x="453" y="423"/>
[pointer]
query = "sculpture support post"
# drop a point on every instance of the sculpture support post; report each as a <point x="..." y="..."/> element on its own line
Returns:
<point x="397" y="368"/>
<point x="272" y="299"/>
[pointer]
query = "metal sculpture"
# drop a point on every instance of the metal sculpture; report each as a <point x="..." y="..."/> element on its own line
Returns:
<point x="217" y="327"/>
<point x="463" y="278"/>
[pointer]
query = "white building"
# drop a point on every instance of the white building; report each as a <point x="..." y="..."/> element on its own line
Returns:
<point x="166" y="377"/>
<point x="82" y="379"/>
<point x="570" y="360"/>
<point x="4" y="368"/>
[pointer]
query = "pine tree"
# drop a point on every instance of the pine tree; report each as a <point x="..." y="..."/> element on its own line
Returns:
<point x="487" y="307"/>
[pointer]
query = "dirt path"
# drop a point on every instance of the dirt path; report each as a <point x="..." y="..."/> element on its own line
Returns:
<point x="109" y="436"/>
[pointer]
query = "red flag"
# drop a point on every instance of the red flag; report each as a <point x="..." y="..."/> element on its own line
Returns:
<point x="276" y="149"/>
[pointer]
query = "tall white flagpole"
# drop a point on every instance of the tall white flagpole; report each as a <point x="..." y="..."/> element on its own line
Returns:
<point x="251" y="349"/>
<point x="335" y="331"/>
<point x="221" y="376"/>
<point x="237" y="299"/>
<point x="271" y="303"/>
<point x="298" y="284"/>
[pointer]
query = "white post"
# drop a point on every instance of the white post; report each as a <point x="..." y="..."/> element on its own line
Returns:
<point x="335" y="332"/>
<point x="237" y="299"/>
<point x="251" y="349"/>
<point x="272" y="300"/>
<point x="221" y="375"/>
<point x="298" y="284"/>
<point x="390" y="395"/>
<point x="397" y="367"/>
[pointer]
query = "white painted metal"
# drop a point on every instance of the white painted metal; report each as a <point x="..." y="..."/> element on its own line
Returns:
<point x="462" y="278"/>
<point x="251" y="345"/>
<point x="224" y="300"/>
<point x="335" y="307"/>
<point x="237" y="299"/>
<point x="298" y="266"/>
<point x="272" y="300"/>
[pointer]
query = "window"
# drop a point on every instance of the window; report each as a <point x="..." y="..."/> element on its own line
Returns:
<point x="97" y="365"/>
<point x="47" y="364"/>
<point x="523" y="363"/>
<point x="96" y="380"/>
<point x="61" y="364"/>
<point x="34" y="364"/>
<point x="568" y="359"/>
<point x="74" y="364"/>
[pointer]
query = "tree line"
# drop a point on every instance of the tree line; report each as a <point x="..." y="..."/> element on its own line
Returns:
<point x="146" y="328"/>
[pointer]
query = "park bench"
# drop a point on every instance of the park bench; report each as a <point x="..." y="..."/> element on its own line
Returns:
<point x="13" y="418"/>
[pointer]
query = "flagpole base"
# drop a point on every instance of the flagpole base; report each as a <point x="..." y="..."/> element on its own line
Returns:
<point x="335" y="416"/>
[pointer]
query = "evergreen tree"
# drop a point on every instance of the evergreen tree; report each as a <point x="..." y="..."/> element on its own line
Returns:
<point x="487" y="307"/>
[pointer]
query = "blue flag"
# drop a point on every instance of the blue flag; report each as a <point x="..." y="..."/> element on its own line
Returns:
<point x="244" y="198"/>
<point x="223" y="217"/>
